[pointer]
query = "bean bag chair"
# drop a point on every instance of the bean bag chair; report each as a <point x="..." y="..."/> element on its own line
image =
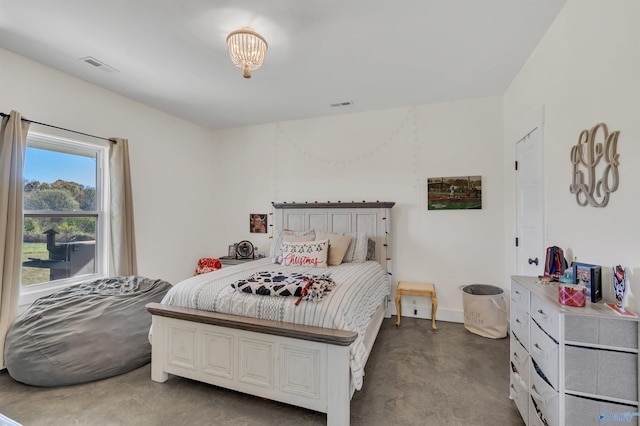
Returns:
<point x="85" y="332"/>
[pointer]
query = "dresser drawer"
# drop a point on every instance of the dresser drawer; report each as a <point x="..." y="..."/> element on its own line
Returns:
<point x="602" y="331"/>
<point x="519" y="322"/>
<point x="546" y="316"/>
<point x="519" y="393"/>
<point x="590" y="412"/>
<point x="520" y="296"/>
<point x="519" y="358"/>
<point x="544" y="351"/>
<point x="601" y="372"/>
<point x="544" y="401"/>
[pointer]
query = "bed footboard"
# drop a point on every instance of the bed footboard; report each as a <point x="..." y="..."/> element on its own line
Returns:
<point x="296" y="364"/>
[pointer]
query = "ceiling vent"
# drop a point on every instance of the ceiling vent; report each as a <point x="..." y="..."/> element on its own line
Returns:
<point x="341" y="104"/>
<point x="96" y="63"/>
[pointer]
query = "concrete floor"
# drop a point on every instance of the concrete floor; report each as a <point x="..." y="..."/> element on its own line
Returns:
<point x="414" y="376"/>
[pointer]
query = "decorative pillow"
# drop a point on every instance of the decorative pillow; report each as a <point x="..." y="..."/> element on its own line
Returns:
<point x="278" y="236"/>
<point x="299" y="238"/>
<point x="357" y="251"/>
<point x="310" y="253"/>
<point x="294" y="239"/>
<point x="338" y="245"/>
<point x="371" y="249"/>
<point x="208" y="264"/>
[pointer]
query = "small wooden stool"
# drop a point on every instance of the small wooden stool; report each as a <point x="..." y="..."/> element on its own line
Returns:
<point x="417" y="289"/>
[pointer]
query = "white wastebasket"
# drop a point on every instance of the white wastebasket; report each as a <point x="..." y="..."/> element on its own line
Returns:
<point x="485" y="310"/>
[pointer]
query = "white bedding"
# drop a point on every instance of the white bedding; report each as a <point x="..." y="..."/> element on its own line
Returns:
<point x="359" y="289"/>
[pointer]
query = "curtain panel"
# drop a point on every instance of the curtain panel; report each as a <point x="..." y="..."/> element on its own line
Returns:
<point x="13" y="140"/>
<point x="123" y="242"/>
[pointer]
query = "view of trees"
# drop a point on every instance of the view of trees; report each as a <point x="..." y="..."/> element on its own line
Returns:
<point x="59" y="196"/>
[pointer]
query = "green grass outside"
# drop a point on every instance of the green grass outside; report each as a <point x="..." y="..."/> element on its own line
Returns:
<point x="34" y="275"/>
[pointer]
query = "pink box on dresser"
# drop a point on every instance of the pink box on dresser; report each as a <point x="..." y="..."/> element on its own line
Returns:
<point x="572" y="295"/>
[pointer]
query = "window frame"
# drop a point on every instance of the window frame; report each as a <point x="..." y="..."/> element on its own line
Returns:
<point x="77" y="146"/>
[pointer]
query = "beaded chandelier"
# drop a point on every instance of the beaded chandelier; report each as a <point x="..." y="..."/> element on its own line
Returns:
<point x="247" y="49"/>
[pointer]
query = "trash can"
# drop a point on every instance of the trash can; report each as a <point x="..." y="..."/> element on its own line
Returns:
<point x="485" y="310"/>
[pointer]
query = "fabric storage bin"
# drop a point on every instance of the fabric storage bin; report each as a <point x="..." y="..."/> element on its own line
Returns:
<point x="519" y="322"/>
<point x="520" y="361"/>
<point x="519" y="295"/>
<point x="544" y="397"/>
<point x="544" y="351"/>
<point x="601" y="331"/>
<point x="601" y="372"/>
<point x="590" y="412"/>
<point x="519" y="393"/>
<point x="534" y="416"/>
<point x="546" y="317"/>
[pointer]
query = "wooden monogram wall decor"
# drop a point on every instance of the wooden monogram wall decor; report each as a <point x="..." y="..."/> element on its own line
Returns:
<point x="586" y="156"/>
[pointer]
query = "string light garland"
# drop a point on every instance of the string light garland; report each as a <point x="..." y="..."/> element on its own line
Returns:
<point x="293" y="203"/>
<point x="284" y="142"/>
<point x="386" y="246"/>
<point x="410" y="118"/>
<point x="417" y="150"/>
<point x="385" y="243"/>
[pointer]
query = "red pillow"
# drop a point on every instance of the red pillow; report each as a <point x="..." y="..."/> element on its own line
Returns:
<point x="208" y="264"/>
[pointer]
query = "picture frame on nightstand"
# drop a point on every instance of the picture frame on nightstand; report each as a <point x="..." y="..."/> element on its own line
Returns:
<point x="591" y="276"/>
<point x="232" y="251"/>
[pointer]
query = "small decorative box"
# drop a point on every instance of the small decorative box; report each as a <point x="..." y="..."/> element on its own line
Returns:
<point x="572" y="295"/>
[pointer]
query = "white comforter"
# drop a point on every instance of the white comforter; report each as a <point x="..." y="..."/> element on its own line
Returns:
<point x="359" y="289"/>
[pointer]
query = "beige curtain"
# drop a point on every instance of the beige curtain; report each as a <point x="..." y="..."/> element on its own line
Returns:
<point x="13" y="145"/>
<point x="123" y="238"/>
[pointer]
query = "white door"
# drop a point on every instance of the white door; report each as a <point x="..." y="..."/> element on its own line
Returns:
<point x="530" y="249"/>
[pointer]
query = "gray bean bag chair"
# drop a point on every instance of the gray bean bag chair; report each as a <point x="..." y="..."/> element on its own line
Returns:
<point x="85" y="332"/>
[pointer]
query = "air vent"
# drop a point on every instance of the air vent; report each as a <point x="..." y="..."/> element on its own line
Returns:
<point x="341" y="104"/>
<point x="96" y="63"/>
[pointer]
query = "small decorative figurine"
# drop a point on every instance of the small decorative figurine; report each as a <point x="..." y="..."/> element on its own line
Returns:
<point x="620" y="285"/>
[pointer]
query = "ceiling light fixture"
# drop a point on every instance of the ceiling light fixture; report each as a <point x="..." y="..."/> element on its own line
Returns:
<point x="246" y="48"/>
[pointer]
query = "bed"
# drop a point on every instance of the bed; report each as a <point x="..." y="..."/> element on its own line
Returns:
<point x="311" y="354"/>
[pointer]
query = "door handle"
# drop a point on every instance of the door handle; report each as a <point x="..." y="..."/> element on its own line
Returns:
<point x="533" y="261"/>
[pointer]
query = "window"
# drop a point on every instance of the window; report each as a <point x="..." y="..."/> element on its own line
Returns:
<point x="65" y="226"/>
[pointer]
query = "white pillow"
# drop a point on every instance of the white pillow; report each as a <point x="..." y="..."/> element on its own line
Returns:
<point x="338" y="245"/>
<point x="310" y="253"/>
<point x="278" y="236"/>
<point x="300" y="238"/>
<point x="357" y="251"/>
<point x="295" y="239"/>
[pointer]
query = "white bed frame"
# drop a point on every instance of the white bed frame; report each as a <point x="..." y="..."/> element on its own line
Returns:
<point x="300" y="365"/>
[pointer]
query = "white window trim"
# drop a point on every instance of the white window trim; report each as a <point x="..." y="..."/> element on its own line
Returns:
<point x="76" y="145"/>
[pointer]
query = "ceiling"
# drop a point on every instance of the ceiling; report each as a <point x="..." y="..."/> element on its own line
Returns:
<point x="377" y="54"/>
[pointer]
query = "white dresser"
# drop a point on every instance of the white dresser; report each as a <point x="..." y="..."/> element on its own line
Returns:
<point x="571" y="366"/>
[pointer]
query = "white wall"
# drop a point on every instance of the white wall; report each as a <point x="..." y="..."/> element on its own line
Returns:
<point x="387" y="156"/>
<point x="173" y="166"/>
<point x="585" y="71"/>
<point x="194" y="190"/>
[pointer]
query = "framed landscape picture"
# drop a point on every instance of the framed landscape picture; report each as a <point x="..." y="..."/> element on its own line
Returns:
<point x="454" y="193"/>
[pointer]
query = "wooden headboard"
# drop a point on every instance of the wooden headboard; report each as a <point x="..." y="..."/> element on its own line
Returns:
<point x="373" y="218"/>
